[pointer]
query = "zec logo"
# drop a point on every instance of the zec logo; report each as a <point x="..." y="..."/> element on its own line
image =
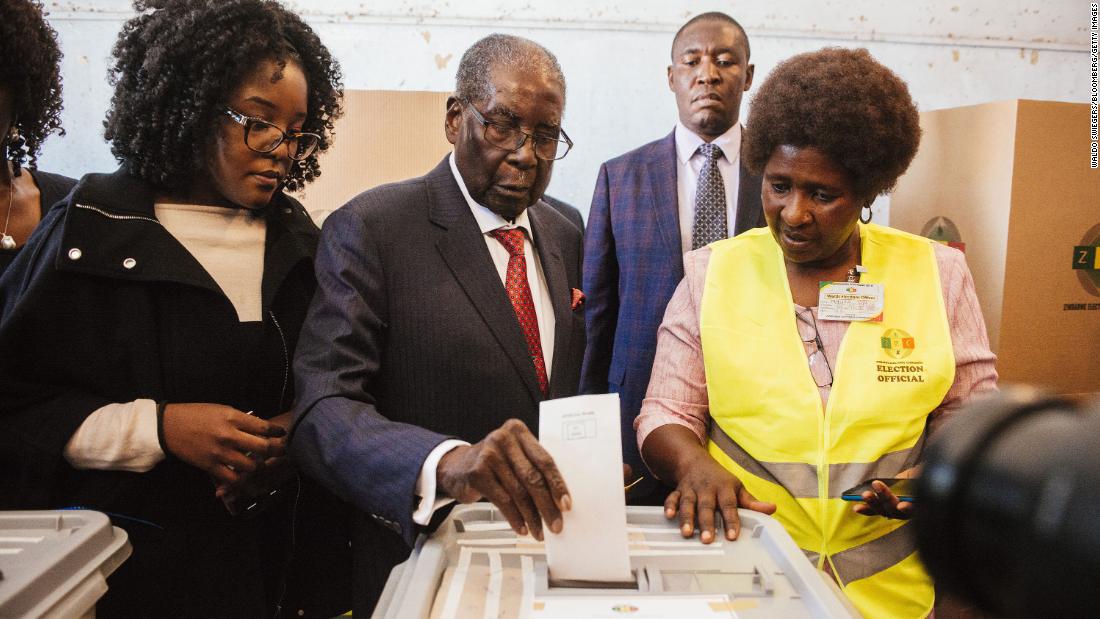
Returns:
<point x="897" y="343"/>
<point x="943" y="230"/>
<point x="1086" y="261"/>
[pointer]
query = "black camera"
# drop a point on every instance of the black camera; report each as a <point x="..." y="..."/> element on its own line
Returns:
<point x="1008" y="506"/>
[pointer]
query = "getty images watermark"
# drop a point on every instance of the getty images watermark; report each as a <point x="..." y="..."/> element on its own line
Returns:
<point x="1094" y="101"/>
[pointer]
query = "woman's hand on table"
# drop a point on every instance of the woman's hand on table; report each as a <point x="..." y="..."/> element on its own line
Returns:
<point x="703" y="486"/>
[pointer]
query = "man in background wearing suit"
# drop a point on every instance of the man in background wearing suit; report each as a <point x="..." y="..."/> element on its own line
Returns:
<point x="657" y="202"/>
<point x="447" y="308"/>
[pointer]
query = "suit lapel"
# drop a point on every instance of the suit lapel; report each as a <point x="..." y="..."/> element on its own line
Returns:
<point x="661" y="172"/>
<point x="549" y="247"/>
<point x="462" y="247"/>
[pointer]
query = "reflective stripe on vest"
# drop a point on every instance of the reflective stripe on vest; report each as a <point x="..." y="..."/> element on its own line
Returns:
<point x="800" y="478"/>
<point x="875" y="556"/>
<point x="772" y="431"/>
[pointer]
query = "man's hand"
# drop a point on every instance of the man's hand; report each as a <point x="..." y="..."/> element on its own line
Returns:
<point x="704" y="487"/>
<point x="221" y="440"/>
<point x="514" y="472"/>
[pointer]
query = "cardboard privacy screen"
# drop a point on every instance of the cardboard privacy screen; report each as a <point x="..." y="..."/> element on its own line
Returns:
<point x="1011" y="181"/>
<point x="384" y="136"/>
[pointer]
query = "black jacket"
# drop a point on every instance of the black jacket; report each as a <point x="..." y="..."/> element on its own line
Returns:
<point x="110" y="307"/>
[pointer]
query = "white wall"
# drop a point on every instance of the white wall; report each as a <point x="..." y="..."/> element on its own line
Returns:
<point x="614" y="55"/>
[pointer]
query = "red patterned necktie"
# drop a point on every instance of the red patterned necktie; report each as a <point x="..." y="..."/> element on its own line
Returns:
<point x="519" y="291"/>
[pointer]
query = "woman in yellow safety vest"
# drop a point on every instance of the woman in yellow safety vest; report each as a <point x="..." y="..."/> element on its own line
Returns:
<point x="798" y="360"/>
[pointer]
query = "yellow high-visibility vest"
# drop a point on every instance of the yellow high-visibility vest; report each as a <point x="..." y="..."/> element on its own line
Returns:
<point x="769" y="428"/>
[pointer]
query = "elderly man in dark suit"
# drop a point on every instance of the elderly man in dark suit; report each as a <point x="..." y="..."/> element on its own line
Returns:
<point x="447" y="308"/>
<point x="657" y="202"/>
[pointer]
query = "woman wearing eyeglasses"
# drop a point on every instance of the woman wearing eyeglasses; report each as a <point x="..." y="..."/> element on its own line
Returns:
<point x="30" y="110"/>
<point x="798" y="360"/>
<point x="160" y="315"/>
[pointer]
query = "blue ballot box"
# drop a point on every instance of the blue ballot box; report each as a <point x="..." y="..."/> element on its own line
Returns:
<point x="475" y="566"/>
<point x="56" y="563"/>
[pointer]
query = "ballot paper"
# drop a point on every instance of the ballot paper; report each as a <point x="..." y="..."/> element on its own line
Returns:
<point x="582" y="435"/>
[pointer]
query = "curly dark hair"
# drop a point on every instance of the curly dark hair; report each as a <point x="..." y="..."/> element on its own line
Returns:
<point x="30" y="69"/>
<point x="843" y="103"/>
<point x="178" y="62"/>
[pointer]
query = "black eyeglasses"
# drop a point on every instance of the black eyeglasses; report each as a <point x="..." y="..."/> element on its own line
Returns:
<point x="264" y="137"/>
<point x="819" y="363"/>
<point x="547" y="147"/>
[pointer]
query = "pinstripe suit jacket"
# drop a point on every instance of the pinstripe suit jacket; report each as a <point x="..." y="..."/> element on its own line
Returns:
<point x="632" y="264"/>
<point x="411" y="339"/>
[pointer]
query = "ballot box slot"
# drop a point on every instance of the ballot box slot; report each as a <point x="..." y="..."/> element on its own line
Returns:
<point x="631" y="585"/>
<point x="546" y="584"/>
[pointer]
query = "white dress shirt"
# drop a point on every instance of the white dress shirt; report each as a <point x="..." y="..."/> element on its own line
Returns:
<point x="688" y="164"/>
<point x="489" y="221"/>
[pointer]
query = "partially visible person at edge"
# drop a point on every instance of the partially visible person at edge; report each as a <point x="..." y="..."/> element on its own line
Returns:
<point x="654" y="204"/>
<point x="159" y="317"/>
<point x="754" y="402"/>
<point x="30" y="110"/>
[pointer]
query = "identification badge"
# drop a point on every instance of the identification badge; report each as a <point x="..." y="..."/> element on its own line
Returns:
<point x="850" y="301"/>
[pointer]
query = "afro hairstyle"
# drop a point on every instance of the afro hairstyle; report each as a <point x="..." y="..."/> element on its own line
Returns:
<point x="843" y="103"/>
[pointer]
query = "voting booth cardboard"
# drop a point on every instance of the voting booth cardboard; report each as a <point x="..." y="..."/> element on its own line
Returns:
<point x="1012" y="184"/>
<point x="384" y="136"/>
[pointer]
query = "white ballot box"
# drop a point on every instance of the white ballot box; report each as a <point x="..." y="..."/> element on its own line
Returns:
<point x="475" y="566"/>
<point x="56" y="563"/>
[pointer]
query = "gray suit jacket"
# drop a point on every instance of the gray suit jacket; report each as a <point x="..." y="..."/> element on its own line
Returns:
<point x="411" y="339"/>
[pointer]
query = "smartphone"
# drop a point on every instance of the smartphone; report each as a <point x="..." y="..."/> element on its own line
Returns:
<point x="902" y="488"/>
